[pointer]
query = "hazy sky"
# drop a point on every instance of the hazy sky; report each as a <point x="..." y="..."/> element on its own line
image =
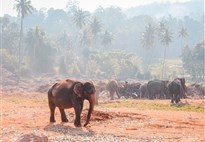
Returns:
<point x="6" y="6"/>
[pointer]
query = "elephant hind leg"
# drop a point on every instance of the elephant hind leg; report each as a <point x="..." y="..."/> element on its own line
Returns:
<point x="63" y="115"/>
<point x="176" y="98"/>
<point x="52" y="107"/>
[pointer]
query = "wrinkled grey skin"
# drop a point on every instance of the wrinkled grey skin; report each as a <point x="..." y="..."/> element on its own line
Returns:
<point x="143" y="91"/>
<point x="67" y="94"/>
<point x="157" y="89"/>
<point x="177" y="89"/>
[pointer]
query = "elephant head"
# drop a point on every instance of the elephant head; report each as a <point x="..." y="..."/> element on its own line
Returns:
<point x="89" y="94"/>
<point x="86" y="91"/>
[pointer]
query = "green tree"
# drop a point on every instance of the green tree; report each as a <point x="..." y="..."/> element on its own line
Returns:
<point x="107" y="38"/>
<point x="23" y="7"/>
<point x="182" y="34"/>
<point x="40" y="51"/>
<point x="80" y="18"/>
<point x="95" y="26"/>
<point x="9" y="36"/>
<point x="148" y="37"/>
<point x="166" y="39"/>
<point x="193" y="61"/>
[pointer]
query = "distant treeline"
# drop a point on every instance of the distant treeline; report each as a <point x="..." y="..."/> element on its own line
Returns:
<point x="104" y="43"/>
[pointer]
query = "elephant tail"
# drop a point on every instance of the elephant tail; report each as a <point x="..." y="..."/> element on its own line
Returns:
<point x="50" y="95"/>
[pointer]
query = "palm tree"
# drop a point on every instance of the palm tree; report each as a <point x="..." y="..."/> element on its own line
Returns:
<point x="95" y="26"/>
<point x="35" y="41"/>
<point x="183" y="34"/>
<point x="107" y="38"/>
<point x="148" y="37"/>
<point x="166" y="39"/>
<point x="23" y="7"/>
<point x="80" y="18"/>
<point x="148" y="41"/>
<point x="85" y="38"/>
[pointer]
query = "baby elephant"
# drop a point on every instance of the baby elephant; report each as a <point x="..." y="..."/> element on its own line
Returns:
<point x="67" y="94"/>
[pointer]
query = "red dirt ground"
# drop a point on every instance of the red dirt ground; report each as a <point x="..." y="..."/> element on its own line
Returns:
<point x="23" y="113"/>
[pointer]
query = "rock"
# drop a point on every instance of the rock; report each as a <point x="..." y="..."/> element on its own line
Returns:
<point x="33" y="137"/>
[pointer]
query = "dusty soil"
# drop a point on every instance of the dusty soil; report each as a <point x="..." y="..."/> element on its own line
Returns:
<point x="23" y="113"/>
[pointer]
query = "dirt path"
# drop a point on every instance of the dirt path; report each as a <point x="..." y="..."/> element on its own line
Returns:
<point x="25" y="113"/>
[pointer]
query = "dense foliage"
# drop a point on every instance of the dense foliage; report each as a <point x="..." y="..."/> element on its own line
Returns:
<point x="105" y="43"/>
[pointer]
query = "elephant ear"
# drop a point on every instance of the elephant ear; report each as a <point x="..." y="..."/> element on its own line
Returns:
<point x="78" y="89"/>
<point x="89" y="88"/>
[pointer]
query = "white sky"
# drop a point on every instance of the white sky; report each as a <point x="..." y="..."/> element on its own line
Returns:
<point x="6" y="6"/>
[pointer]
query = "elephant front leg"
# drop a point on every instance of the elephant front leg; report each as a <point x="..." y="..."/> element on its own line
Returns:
<point x="172" y="99"/>
<point x="63" y="115"/>
<point x="77" y="121"/>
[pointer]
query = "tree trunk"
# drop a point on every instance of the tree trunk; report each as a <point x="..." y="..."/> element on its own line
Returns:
<point x="163" y="68"/>
<point x="20" y="45"/>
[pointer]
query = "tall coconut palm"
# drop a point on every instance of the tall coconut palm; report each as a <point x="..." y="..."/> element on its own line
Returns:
<point x="80" y="18"/>
<point x="23" y="7"/>
<point x="166" y="39"/>
<point x="148" y="41"/>
<point x="183" y="34"/>
<point x="35" y="41"/>
<point x="107" y="38"/>
<point x="148" y="37"/>
<point x="95" y="26"/>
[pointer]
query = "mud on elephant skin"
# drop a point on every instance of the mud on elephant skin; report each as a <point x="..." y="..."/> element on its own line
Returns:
<point x="67" y="94"/>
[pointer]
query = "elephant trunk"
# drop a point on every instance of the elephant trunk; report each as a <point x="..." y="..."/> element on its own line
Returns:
<point x="91" y="107"/>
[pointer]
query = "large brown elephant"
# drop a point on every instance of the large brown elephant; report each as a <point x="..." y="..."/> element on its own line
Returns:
<point x="67" y="94"/>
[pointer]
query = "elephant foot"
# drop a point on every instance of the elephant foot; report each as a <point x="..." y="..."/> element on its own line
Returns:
<point x="52" y="120"/>
<point x="77" y="124"/>
<point x="86" y="124"/>
<point x="64" y="119"/>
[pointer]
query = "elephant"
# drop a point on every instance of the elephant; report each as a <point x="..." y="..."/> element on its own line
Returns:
<point x="67" y="94"/>
<point x="143" y="91"/>
<point x="176" y="90"/>
<point x="130" y="90"/>
<point x="157" y="89"/>
<point x="183" y="87"/>
<point x="113" y="88"/>
<point x="100" y="87"/>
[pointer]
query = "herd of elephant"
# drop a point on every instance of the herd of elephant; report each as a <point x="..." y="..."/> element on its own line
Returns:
<point x="68" y="93"/>
<point x="154" y="89"/>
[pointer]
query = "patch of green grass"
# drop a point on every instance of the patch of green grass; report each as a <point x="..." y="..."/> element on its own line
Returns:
<point x="154" y="105"/>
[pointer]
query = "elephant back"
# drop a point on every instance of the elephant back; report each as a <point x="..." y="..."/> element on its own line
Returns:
<point x="63" y="87"/>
